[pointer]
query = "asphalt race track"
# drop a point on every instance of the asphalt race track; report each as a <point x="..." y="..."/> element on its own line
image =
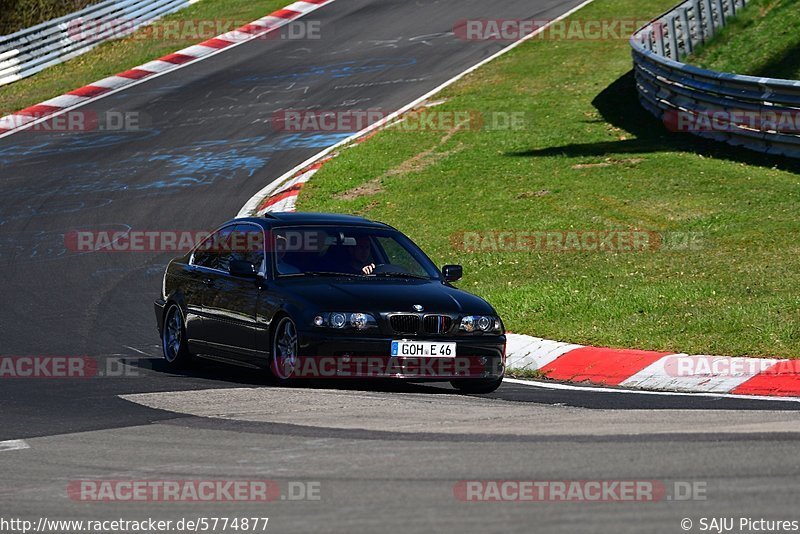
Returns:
<point x="385" y="456"/>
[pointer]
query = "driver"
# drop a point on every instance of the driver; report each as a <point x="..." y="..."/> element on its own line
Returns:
<point x="360" y="256"/>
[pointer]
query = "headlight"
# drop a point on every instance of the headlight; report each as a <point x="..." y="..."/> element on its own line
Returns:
<point x="344" y="320"/>
<point x="481" y="324"/>
<point x="359" y="320"/>
<point x="338" y="320"/>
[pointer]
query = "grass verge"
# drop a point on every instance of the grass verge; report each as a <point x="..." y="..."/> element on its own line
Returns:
<point x="589" y="158"/>
<point x="762" y="40"/>
<point x="526" y="374"/>
<point x="159" y="39"/>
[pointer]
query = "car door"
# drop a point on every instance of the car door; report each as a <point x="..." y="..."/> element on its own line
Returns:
<point x="231" y="302"/>
<point x="197" y="281"/>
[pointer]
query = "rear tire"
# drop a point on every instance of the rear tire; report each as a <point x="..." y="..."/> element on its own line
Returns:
<point x="173" y="339"/>
<point x="476" y="386"/>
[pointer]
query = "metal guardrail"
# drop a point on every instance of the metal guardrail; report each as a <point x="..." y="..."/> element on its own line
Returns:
<point x="33" y="49"/>
<point x="761" y="114"/>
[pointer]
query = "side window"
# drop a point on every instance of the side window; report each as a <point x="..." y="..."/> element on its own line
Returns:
<point x="397" y="255"/>
<point x="247" y="243"/>
<point x="215" y="251"/>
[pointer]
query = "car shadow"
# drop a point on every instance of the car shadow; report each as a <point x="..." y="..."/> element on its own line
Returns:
<point x="206" y="374"/>
<point x="619" y="106"/>
<point x="226" y="375"/>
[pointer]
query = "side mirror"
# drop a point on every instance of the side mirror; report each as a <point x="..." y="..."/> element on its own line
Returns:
<point x="242" y="269"/>
<point x="452" y="273"/>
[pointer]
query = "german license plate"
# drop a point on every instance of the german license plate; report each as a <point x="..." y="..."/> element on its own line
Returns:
<point x="423" y="349"/>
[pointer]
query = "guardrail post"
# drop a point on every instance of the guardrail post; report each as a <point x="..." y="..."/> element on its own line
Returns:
<point x="709" y="19"/>
<point x="720" y="13"/>
<point x="659" y="35"/>
<point x="686" y="32"/>
<point x="673" y="39"/>
<point x="699" y="32"/>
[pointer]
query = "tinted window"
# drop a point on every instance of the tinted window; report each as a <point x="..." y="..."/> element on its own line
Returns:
<point x="215" y="251"/>
<point x="398" y="255"/>
<point x="347" y="250"/>
<point x="247" y="243"/>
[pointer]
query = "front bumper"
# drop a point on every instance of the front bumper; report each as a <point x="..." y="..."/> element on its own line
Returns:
<point x="325" y="355"/>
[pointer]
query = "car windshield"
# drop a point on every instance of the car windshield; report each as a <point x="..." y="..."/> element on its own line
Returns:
<point x="351" y="251"/>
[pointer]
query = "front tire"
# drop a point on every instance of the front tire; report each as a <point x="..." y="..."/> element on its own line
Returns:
<point x="173" y="339"/>
<point x="284" y="360"/>
<point x="477" y="386"/>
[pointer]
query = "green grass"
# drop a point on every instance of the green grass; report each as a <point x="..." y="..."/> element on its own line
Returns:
<point x="526" y="374"/>
<point x="19" y="14"/>
<point x="119" y="55"/>
<point x="761" y="41"/>
<point x="590" y="158"/>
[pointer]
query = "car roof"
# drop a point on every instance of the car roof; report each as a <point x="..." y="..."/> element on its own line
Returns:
<point x="285" y="218"/>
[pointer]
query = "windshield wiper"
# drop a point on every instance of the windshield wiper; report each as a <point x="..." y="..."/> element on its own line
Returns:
<point x="329" y="273"/>
<point x="401" y="275"/>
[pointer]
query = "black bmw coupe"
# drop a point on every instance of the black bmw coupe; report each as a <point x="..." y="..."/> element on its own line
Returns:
<point x="311" y="295"/>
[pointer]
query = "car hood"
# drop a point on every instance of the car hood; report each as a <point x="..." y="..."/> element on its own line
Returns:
<point x="391" y="295"/>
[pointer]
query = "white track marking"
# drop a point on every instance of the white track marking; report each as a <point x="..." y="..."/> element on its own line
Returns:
<point x="139" y="351"/>
<point x="525" y="352"/>
<point x="251" y="205"/>
<point x="570" y="387"/>
<point x="662" y="374"/>
<point x="13" y="445"/>
<point x="65" y="101"/>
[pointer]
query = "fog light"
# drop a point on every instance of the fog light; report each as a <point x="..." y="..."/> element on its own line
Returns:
<point x="338" y="320"/>
<point x="358" y="320"/>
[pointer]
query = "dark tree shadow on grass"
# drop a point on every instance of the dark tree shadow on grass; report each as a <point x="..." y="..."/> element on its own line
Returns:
<point x="785" y="64"/>
<point x="619" y="106"/>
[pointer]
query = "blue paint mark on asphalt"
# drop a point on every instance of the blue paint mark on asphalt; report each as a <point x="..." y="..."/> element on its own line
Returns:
<point x="202" y="163"/>
<point x="64" y="143"/>
<point x="302" y="141"/>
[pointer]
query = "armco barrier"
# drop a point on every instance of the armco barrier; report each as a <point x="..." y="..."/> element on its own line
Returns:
<point x="33" y="49"/>
<point x="761" y="114"/>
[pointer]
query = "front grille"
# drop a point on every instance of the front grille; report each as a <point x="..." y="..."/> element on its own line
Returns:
<point x="404" y="324"/>
<point x="437" y="324"/>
